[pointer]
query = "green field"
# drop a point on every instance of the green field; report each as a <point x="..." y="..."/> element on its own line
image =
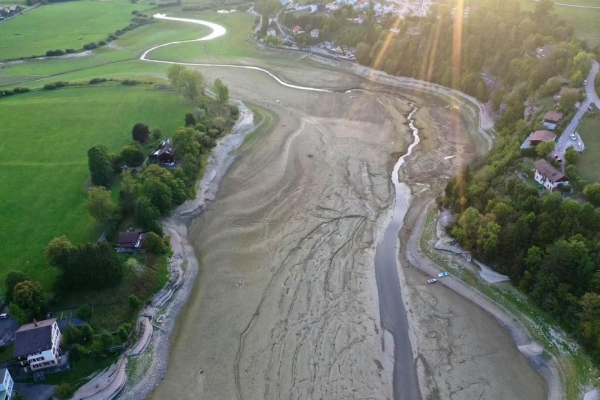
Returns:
<point x="589" y="162"/>
<point x="117" y="60"/>
<point x="44" y="174"/>
<point x="62" y="26"/>
<point x="233" y="46"/>
<point x="586" y="22"/>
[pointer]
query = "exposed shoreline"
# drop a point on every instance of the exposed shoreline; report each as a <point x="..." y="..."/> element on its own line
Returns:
<point x="413" y="256"/>
<point x="155" y="323"/>
<point x="177" y="227"/>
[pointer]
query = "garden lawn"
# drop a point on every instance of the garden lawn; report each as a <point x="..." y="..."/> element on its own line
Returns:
<point x="589" y="161"/>
<point x="63" y="25"/>
<point x="44" y="173"/>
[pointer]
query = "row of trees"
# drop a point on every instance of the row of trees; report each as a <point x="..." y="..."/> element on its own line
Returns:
<point x="191" y="84"/>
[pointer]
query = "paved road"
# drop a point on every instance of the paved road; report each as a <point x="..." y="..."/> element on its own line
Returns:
<point x="573" y="5"/>
<point x="591" y="97"/>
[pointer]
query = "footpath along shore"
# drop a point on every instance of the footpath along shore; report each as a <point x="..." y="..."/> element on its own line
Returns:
<point x="157" y="320"/>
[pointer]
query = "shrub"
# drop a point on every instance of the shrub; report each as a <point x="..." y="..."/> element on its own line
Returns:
<point x="129" y="82"/>
<point x="77" y="352"/>
<point x="57" y="52"/>
<point x="84" y="311"/>
<point x="49" y="86"/>
<point x="96" y="80"/>
<point x="70" y="51"/>
<point x="155" y="243"/>
<point x="21" y="90"/>
<point x="64" y="391"/>
<point x="134" y="302"/>
<point x="123" y="331"/>
<point x="132" y="155"/>
<point x="90" y="46"/>
<point x="102" y="43"/>
<point x="156" y="134"/>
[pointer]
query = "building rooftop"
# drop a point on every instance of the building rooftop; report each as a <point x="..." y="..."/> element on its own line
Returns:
<point x="34" y="337"/>
<point x="548" y="171"/>
<point x="542" y="136"/>
<point x="553" y="116"/>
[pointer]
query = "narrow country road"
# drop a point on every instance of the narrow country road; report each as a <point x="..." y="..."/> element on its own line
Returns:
<point x="565" y="140"/>
<point x="573" y="5"/>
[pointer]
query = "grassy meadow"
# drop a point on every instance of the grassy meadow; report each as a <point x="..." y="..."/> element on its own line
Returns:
<point x="230" y="47"/>
<point x="63" y="25"/>
<point x="585" y="21"/>
<point x="589" y="162"/>
<point x="45" y="173"/>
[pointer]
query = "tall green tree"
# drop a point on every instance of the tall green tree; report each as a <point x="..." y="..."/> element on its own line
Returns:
<point x="30" y="297"/>
<point x="100" y="205"/>
<point x="174" y="74"/>
<point x="191" y="84"/>
<point x="592" y="194"/>
<point x="12" y="279"/>
<point x="100" y="165"/>
<point x="221" y="91"/>
<point x="140" y="132"/>
<point x="58" y="251"/>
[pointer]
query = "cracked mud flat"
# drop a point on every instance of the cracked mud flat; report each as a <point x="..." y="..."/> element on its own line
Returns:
<point x="285" y="306"/>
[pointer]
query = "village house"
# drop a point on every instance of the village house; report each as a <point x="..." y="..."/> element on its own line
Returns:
<point x="166" y="153"/>
<point x="565" y="90"/>
<point x="538" y="137"/>
<point x="549" y="176"/>
<point x="37" y="345"/>
<point x="131" y="242"/>
<point x="297" y="30"/>
<point x="6" y="387"/>
<point x="314" y="33"/>
<point x="552" y="119"/>
<point x="271" y="32"/>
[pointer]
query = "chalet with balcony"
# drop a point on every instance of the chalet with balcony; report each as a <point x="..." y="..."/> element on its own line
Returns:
<point x="131" y="242"/>
<point x="166" y="153"/>
<point x="549" y="176"/>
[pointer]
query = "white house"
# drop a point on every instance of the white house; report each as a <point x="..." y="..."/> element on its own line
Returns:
<point x="37" y="345"/>
<point x="271" y="32"/>
<point x="6" y="387"/>
<point x="314" y="33"/>
<point x="549" y="176"/>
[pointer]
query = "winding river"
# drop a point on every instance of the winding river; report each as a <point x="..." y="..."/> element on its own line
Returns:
<point x="391" y="304"/>
<point x="392" y="311"/>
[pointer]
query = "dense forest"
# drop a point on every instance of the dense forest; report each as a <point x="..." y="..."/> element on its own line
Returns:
<point x="548" y="244"/>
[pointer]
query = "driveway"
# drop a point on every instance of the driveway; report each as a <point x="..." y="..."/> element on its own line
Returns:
<point x="32" y="391"/>
<point x="565" y="140"/>
<point x="8" y="327"/>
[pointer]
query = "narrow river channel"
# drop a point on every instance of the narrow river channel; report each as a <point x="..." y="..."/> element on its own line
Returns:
<point x="391" y="305"/>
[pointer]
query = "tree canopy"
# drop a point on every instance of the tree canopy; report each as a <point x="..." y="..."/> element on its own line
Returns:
<point x="100" y="165"/>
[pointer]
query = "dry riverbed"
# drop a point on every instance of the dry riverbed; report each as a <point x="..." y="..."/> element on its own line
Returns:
<point x="285" y="305"/>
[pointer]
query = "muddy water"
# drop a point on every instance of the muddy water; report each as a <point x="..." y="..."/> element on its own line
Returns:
<point x="391" y="306"/>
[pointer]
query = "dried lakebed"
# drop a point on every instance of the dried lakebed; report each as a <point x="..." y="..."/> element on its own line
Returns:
<point x="286" y="305"/>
